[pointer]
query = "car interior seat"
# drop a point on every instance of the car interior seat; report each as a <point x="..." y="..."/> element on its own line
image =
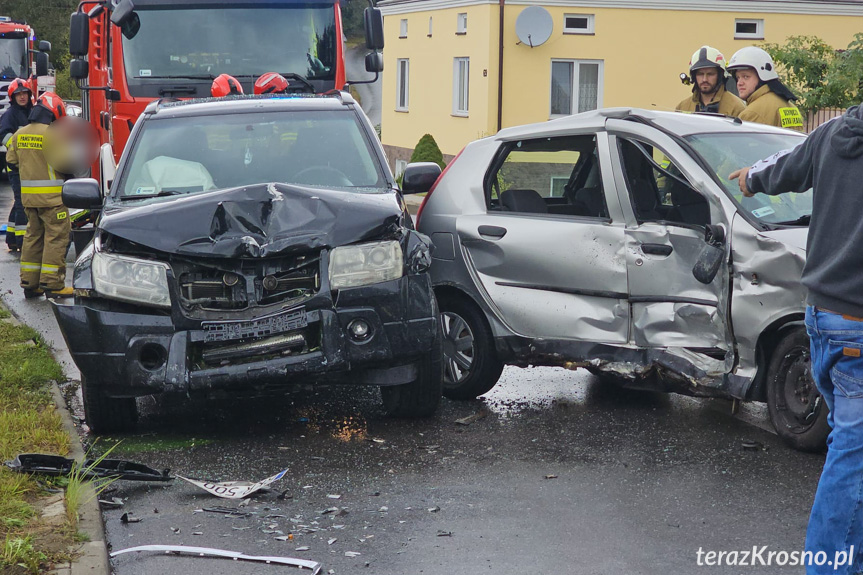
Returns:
<point x="528" y="201"/>
<point x="690" y="207"/>
<point x="639" y="174"/>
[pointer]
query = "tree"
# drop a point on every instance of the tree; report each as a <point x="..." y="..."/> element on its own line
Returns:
<point x="821" y="76"/>
<point x="427" y="150"/>
<point x="352" y="18"/>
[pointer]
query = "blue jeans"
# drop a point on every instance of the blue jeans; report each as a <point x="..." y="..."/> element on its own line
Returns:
<point x="836" y="521"/>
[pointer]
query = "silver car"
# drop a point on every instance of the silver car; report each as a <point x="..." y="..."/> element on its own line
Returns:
<point x="613" y="241"/>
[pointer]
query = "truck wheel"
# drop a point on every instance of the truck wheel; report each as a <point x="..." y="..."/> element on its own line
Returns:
<point x="471" y="366"/>
<point x="421" y="397"/>
<point x="797" y="410"/>
<point x="105" y="414"/>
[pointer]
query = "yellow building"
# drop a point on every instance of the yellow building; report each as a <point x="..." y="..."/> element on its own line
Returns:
<point x="458" y="70"/>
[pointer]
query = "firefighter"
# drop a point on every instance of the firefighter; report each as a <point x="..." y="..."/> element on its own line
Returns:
<point x="707" y="75"/>
<point x="226" y="85"/>
<point x="271" y="83"/>
<point x="43" y="255"/>
<point x="15" y="117"/>
<point x="768" y="101"/>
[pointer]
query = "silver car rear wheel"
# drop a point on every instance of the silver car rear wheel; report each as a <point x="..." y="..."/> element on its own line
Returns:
<point x="458" y="348"/>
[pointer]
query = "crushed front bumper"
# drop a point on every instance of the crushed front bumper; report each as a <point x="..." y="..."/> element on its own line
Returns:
<point x="138" y="352"/>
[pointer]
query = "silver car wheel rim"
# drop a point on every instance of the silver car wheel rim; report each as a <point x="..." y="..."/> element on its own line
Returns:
<point x="458" y="348"/>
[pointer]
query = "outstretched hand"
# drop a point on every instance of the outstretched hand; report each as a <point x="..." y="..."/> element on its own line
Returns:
<point x="740" y="176"/>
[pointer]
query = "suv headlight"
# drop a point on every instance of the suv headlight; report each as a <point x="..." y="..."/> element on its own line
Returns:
<point x="130" y="279"/>
<point x="364" y="264"/>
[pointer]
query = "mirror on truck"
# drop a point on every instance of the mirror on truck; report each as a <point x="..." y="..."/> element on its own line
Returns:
<point x="79" y="69"/>
<point x="44" y="46"/>
<point x="373" y="23"/>
<point x="79" y="34"/>
<point x="125" y="17"/>
<point x="374" y="62"/>
<point x="41" y="64"/>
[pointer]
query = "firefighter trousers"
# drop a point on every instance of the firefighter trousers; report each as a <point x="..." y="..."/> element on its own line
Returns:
<point x="16" y="226"/>
<point x="43" y="256"/>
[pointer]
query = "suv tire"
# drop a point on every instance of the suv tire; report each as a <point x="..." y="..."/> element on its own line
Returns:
<point x="471" y="365"/>
<point x="797" y="410"/>
<point x="105" y="414"/>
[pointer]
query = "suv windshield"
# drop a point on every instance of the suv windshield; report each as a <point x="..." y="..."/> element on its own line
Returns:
<point x="243" y="42"/>
<point x="13" y="56"/>
<point x="728" y="152"/>
<point x="201" y="153"/>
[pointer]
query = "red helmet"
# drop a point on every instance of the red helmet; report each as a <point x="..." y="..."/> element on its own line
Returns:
<point x="225" y="85"/>
<point x="271" y="83"/>
<point x="17" y="86"/>
<point x="53" y="103"/>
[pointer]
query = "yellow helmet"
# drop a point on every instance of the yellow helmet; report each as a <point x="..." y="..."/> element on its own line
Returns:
<point x="707" y="57"/>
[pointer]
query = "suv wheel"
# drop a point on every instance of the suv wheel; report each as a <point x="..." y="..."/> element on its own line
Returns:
<point x="797" y="410"/>
<point x="471" y="366"/>
<point x="105" y="414"/>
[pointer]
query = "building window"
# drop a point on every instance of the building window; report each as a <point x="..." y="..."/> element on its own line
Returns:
<point x="461" y="83"/>
<point x="576" y="86"/>
<point x="400" y="168"/>
<point x="402" y="84"/>
<point x="403" y="28"/>
<point x="461" y="25"/>
<point x="578" y="24"/>
<point x="430" y="26"/>
<point x="749" y="29"/>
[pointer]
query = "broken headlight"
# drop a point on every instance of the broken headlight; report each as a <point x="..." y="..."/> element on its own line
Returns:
<point x="364" y="264"/>
<point x="130" y="279"/>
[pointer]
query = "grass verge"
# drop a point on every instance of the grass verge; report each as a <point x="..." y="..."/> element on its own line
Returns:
<point x="28" y="424"/>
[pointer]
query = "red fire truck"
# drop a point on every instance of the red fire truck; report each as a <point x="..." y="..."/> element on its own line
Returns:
<point x="20" y="57"/>
<point x="130" y="52"/>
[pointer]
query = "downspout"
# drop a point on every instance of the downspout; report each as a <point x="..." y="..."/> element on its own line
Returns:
<point x="500" y="71"/>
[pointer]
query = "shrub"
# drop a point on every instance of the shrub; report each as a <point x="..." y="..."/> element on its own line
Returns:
<point x="427" y="150"/>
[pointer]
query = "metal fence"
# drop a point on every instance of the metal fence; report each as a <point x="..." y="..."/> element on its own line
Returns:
<point x="818" y="117"/>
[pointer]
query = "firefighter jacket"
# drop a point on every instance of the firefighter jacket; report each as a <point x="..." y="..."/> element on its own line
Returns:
<point x="14" y="117"/>
<point x="41" y="186"/>
<point x="723" y="102"/>
<point x="767" y="107"/>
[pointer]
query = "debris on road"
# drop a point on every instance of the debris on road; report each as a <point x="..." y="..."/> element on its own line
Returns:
<point x="113" y="503"/>
<point x="352" y="553"/>
<point x="236" y="556"/>
<point x="551" y="476"/>
<point x="750" y="445"/>
<point x="334" y="496"/>
<point x="472" y="418"/>
<point x="226" y="511"/>
<point x="434" y="509"/>
<point x="126" y="519"/>
<point x="48" y="464"/>
<point x="442" y="533"/>
<point x="234" y="489"/>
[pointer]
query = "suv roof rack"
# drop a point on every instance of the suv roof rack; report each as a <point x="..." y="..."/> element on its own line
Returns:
<point x="156" y="105"/>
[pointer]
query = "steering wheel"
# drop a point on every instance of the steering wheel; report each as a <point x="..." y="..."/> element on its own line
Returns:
<point x="322" y="176"/>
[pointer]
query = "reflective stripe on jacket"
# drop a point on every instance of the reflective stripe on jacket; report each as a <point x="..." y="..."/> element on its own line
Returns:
<point x="40" y="185"/>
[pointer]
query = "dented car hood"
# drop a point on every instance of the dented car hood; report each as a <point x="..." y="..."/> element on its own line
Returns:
<point x="255" y="221"/>
<point x="794" y="237"/>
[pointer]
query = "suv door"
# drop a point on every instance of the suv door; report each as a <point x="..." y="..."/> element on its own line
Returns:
<point x="667" y="217"/>
<point x="549" y="249"/>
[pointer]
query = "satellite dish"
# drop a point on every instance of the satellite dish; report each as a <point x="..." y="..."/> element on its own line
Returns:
<point x="534" y="25"/>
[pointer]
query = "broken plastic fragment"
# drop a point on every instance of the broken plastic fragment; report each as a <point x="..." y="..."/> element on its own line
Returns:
<point x="206" y="551"/>
<point x="352" y="553"/>
<point x="234" y="489"/>
<point x="434" y="509"/>
<point x="126" y="518"/>
<point x="471" y="418"/>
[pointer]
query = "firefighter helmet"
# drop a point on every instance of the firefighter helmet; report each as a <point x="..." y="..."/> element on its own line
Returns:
<point x="17" y="86"/>
<point x="53" y="103"/>
<point x="226" y="85"/>
<point x="754" y="57"/>
<point x="707" y="57"/>
<point x="271" y="83"/>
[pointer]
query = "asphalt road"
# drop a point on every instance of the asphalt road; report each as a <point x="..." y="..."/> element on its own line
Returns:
<point x="557" y="473"/>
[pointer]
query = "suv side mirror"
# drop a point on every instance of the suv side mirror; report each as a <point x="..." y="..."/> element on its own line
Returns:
<point x="82" y="193"/>
<point x="79" y="34"/>
<point x="373" y="24"/>
<point x="419" y="177"/>
<point x="41" y="64"/>
<point x="710" y="259"/>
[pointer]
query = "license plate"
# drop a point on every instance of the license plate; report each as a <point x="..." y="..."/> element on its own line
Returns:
<point x="257" y="328"/>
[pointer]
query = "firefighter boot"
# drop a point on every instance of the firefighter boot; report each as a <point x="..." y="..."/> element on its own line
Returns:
<point x="66" y="292"/>
<point x="31" y="293"/>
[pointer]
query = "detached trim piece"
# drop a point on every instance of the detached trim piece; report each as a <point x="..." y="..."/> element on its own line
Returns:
<point x="235" y="555"/>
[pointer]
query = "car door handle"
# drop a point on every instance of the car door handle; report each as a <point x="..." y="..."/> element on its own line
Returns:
<point x="492" y="231"/>
<point x="657" y="249"/>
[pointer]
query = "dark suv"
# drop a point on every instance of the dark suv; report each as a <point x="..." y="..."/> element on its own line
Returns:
<point x="246" y="244"/>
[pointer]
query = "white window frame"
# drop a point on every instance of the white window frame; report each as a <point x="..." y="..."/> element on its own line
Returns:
<point x="403" y="28"/>
<point x="759" y="29"/>
<point x="431" y="21"/>
<point x="403" y="76"/>
<point x="461" y="23"/>
<point x="460" y="90"/>
<point x="590" y="24"/>
<point x="400" y="167"/>
<point x="551" y="185"/>
<point x="576" y="66"/>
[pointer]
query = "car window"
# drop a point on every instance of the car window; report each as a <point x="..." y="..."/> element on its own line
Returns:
<point x="558" y="176"/>
<point x="197" y="154"/>
<point x="658" y="190"/>
<point x="725" y="153"/>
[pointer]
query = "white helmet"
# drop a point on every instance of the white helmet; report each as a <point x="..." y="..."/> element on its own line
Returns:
<point x="754" y="57"/>
<point x="707" y="57"/>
